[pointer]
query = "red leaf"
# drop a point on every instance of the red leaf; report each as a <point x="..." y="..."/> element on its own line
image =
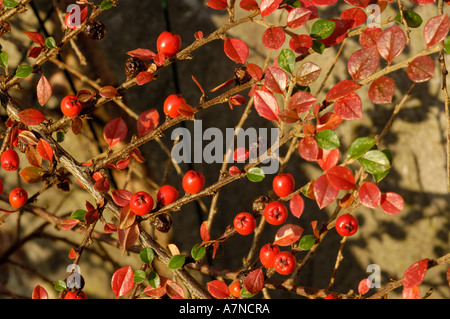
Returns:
<point x="122" y="281"/>
<point x="126" y="217"/>
<point x="236" y="99"/>
<point x="414" y="275"/>
<point x="308" y="73"/>
<point x="369" y="194"/>
<point x="44" y="90"/>
<point x="34" y="52"/>
<point x="311" y="7"/>
<point x="36" y="37"/>
<point x="254" y="281"/>
<point x="370" y="36"/>
<point x="297" y="205"/>
<point x="391" y="203"/>
<point x="31" y="117"/>
<point x="128" y="236"/>
<point x="435" y="30"/>
<point x="353" y="17"/>
<point x="448" y="276"/>
<point x="267" y="7"/>
<point x="288" y="234"/>
<point x="341" y="89"/>
<point x="421" y="69"/>
<point x="288" y="116"/>
<point x="45" y="150"/>
<point x="349" y="107"/>
<point x="159" y="59"/>
<point x="144" y="77"/>
<point x="308" y="148"/>
<point x="273" y="38"/>
<point x="72" y="254"/>
<point x="391" y="43"/>
<point x="297" y="17"/>
<point x="147" y="121"/>
<point x="382" y="90"/>
<point x="411" y="293"/>
<point x="341" y="177"/>
<point x="248" y="5"/>
<point x="275" y="79"/>
<point x="328" y="121"/>
<point x="236" y="50"/>
<point x="323" y="2"/>
<point x="143" y="54"/>
<point x="358" y="3"/>
<point x="240" y="154"/>
<point x="121" y="197"/>
<point x="328" y="159"/>
<point x="157" y="292"/>
<point x="115" y="131"/>
<point x="423" y="2"/>
<point x="109" y="228"/>
<point x="301" y="44"/>
<point x="204" y="233"/>
<point x="174" y="290"/>
<point x="324" y="192"/>
<point x="186" y="110"/>
<point x="363" y="63"/>
<point x="39" y="293"/>
<point x="218" y="289"/>
<point x="301" y="101"/>
<point x="108" y="91"/>
<point x="364" y="286"/>
<point x="198" y="35"/>
<point x="266" y="105"/>
<point x="102" y="184"/>
<point x="217" y="4"/>
<point x="255" y="71"/>
<point x="69" y="223"/>
<point x="338" y="35"/>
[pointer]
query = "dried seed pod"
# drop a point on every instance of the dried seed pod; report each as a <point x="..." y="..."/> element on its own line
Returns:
<point x="163" y="222"/>
<point x="134" y="66"/>
<point x="95" y="29"/>
<point x="241" y="75"/>
<point x="260" y="203"/>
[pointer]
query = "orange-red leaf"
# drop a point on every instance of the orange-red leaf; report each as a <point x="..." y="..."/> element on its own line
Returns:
<point x="45" y="150"/>
<point x="414" y="275"/>
<point x="218" y="289"/>
<point x="44" y="90"/>
<point x="39" y="293"/>
<point x="115" y="131"/>
<point x="122" y="281"/>
<point x="31" y="117"/>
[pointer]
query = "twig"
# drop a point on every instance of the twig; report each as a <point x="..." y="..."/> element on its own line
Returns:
<point x="404" y="22"/>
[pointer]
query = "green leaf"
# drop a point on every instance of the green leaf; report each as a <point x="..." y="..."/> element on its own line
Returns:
<point x="318" y="46"/>
<point x="4" y="60"/>
<point x="23" y="71"/>
<point x="78" y="214"/>
<point x="378" y="177"/>
<point x="255" y="174"/>
<point x="8" y="4"/>
<point x="176" y="262"/>
<point x="60" y="137"/>
<point x="139" y="276"/>
<point x="286" y="60"/>
<point x="413" y="20"/>
<point x="106" y="4"/>
<point x="50" y="43"/>
<point x="153" y="279"/>
<point x="306" y="242"/>
<point x="245" y="293"/>
<point x="60" y="285"/>
<point x="360" y="146"/>
<point x="327" y="140"/>
<point x="322" y="29"/>
<point x="198" y="252"/>
<point x="146" y="255"/>
<point x="447" y="45"/>
<point x="375" y="162"/>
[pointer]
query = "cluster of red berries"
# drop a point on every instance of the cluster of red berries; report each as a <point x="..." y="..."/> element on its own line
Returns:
<point x="10" y="162"/>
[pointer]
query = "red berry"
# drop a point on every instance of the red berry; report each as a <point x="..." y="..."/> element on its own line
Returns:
<point x="76" y="16"/>
<point x="172" y="103"/>
<point x="235" y="289"/>
<point x="193" y="182"/>
<point x="75" y="295"/>
<point x="275" y="213"/>
<point x="283" y="184"/>
<point x="10" y="160"/>
<point x="331" y="296"/>
<point x="168" y="43"/>
<point x="244" y="223"/>
<point x="141" y="203"/>
<point x="18" y="197"/>
<point x="346" y="225"/>
<point x="167" y="194"/>
<point x="267" y="255"/>
<point x="285" y="263"/>
<point x="70" y="106"/>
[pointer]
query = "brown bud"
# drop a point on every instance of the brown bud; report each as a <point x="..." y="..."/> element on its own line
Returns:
<point x="241" y="75"/>
<point x="260" y="203"/>
<point x="163" y="222"/>
<point x="134" y="66"/>
<point x="95" y="29"/>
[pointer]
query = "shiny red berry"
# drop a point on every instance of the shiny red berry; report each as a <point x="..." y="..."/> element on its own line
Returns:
<point x="70" y="106"/>
<point x="18" y="197"/>
<point x="275" y="213"/>
<point x="141" y="203"/>
<point x="168" y="43"/>
<point x="267" y="255"/>
<point x="244" y="223"/>
<point x="235" y="289"/>
<point x="75" y="295"/>
<point x="346" y="225"/>
<point x="172" y="103"/>
<point x="283" y="184"/>
<point x="193" y="182"/>
<point x="10" y="160"/>
<point x="167" y="194"/>
<point x="285" y="263"/>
